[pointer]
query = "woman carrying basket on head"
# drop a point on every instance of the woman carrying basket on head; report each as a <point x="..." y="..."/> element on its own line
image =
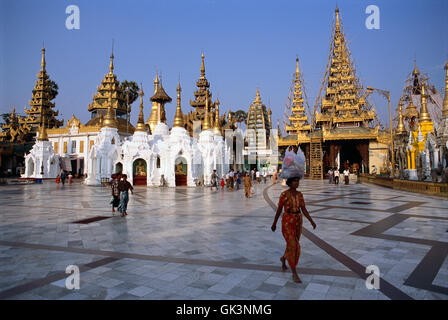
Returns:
<point x="293" y="204"/>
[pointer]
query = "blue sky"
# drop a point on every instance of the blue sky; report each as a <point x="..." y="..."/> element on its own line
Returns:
<point x="247" y="44"/>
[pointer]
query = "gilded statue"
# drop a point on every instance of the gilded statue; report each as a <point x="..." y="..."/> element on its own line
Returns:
<point x="140" y="169"/>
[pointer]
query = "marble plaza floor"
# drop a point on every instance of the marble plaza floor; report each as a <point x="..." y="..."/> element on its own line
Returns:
<point x="193" y="243"/>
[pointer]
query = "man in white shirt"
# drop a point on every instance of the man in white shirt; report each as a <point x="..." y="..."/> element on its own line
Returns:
<point x="265" y="174"/>
<point x="336" y="176"/>
<point x="346" y="175"/>
<point x="257" y="174"/>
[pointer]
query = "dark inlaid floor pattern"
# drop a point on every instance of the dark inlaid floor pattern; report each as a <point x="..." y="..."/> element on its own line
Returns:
<point x="190" y="243"/>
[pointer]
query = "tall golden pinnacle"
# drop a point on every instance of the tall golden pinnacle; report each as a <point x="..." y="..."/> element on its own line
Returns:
<point x="415" y="72"/>
<point x="202" y="66"/>
<point x="110" y="121"/>
<point x="141" y="123"/>
<point x="217" y="126"/>
<point x="297" y="69"/>
<point x="338" y="28"/>
<point x="43" y="63"/>
<point x="400" y="128"/>
<point x="445" y="100"/>
<point x="257" y="97"/>
<point x="424" y="115"/>
<point x="206" y="122"/>
<point x="179" y="117"/>
<point x="43" y="136"/>
<point x="111" y="65"/>
<point x="156" y="82"/>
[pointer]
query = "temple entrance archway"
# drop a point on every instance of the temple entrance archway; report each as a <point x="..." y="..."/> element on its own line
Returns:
<point x="351" y="155"/>
<point x="139" y="172"/>
<point x="181" y="171"/>
<point x="30" y="167"/>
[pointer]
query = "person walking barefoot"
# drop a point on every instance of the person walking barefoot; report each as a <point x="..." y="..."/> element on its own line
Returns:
<point x="124" y="186"/>
<point x="294" y="204"/>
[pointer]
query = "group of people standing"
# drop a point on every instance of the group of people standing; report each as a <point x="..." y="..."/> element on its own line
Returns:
<point x="334" y="174"/>
<point x="120" y="193"/>
<point x="234" y="179"/>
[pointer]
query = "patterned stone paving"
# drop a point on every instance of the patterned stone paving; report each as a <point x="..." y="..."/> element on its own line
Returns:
<point x="193" y="243"/>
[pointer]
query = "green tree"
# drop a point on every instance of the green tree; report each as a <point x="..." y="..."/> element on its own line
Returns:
<point x="130" y="88"/>
<point x="239" y="116"/>
<point x="6" y="118"/>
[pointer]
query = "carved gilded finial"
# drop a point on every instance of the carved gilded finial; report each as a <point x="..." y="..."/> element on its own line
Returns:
<point x="141" y="123"/>
<point x="400" y="128"/>
<point x="179" y="117"/>
<point x="111" y="65"/>
<point x="217" y="126"/>
<point x="43" y="63"/>
<point x="337" y="27"/>
<point x="156" y="82"/>
<point x="445" y="100"/>
<point x="202" y="66"/>
<point x="206" y="122"/>
<point x="415" y="72"/>
<point x="110" y="121"/>
<point x="424" y="115"/>
<point x="257" y="97"/>
<point x="297" y="68"/>
<point x="43" y="136"/>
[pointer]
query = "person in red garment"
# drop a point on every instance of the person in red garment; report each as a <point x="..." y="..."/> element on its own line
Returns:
<point x="292" y="201"/>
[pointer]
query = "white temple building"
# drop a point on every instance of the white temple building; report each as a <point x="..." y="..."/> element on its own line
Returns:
<point x="108" y="143"/>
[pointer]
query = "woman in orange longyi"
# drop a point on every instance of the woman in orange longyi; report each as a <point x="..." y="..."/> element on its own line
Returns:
<point x="292" y="201"/>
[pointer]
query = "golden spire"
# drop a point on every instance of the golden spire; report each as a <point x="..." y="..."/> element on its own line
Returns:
<point x="202" y="67"/>
<point x="257" y="97"/>
<point x="217" y="126"/>
<point x="206" y="123"/>
<point x="156" y="82"/>
<point x="297" y="68"/>
<point x="111" y="65"/>
<point x="424" y="115"/>
<point x="338" y="28"/>
<point x="110" y="121"/>
<point x="400" y="128"/>
<point x="43" y="63"/>
<point x="179" y="117"/>
<point x="445" y="100"/>
<point x="415" y="72"/>
<point x="229" y="116"/>
<point x="141" y="123"/>
<point x="43" y="136"/>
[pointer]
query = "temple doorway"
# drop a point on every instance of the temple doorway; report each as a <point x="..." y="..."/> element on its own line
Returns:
<point x="118" y="167"/>
<point x="30" y="167"/>
<point x="180" y="169"/>
<point x="139" y="172"/>
<point x="350" y="155"/>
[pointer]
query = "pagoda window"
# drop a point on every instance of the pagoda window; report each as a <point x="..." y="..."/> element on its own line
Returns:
<point x="158" y="162"/>
<point x="74" y="146"/>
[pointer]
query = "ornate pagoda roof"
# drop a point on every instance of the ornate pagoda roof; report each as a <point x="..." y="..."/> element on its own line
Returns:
<point x="344" y="102"/>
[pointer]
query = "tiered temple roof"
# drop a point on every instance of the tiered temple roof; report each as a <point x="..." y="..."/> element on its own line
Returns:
<point x="202" y="101"/>
<point x="299" y="124"/>
<point x="344" y="103"/>
<point x="203" y="89"/>
<point x="41" y="111"/>
<point x="258" y="117"/>
<point x="110" y="88"/>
